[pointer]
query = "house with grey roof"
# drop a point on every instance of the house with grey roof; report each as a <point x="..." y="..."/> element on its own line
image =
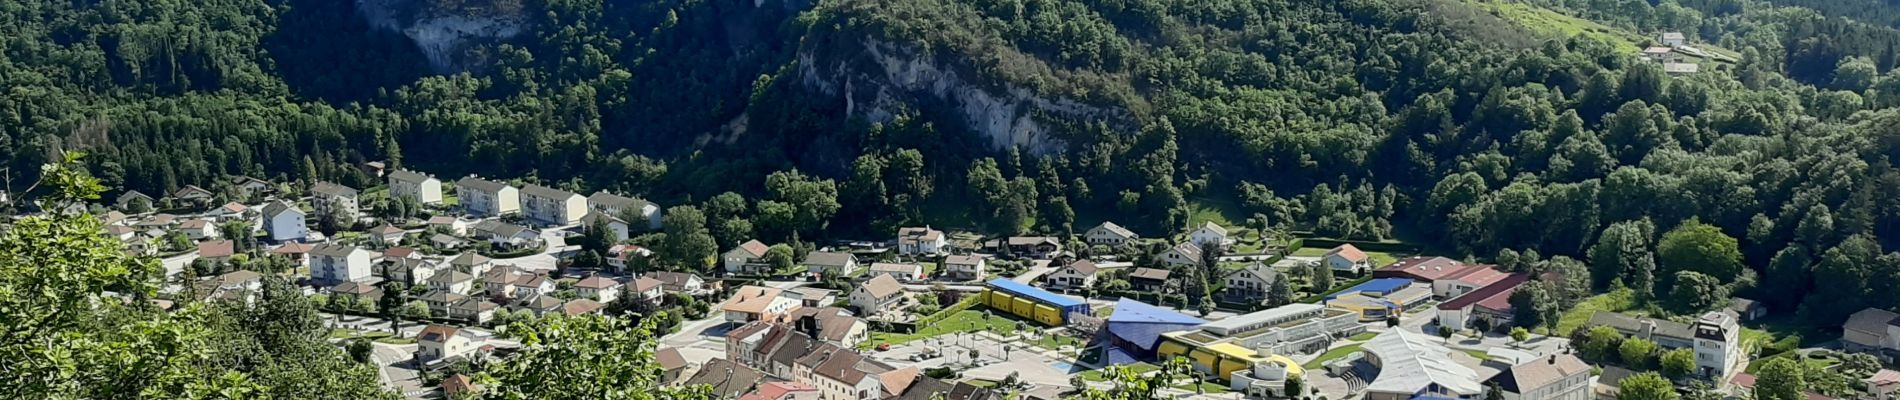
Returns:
<point x="423" y="188"/>
<point x="832" y="263"/>
<point x="482" y="197"/>
<point x="1109" y="234"/>
<point x="329" y="197"/>
<point x="616" y="205"/>
<point x="1873" y="331"/>
<point x="332" y="263"/>
<point x="550" y="206"/>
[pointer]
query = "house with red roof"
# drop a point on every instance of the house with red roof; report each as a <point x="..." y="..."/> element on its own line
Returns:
<point x="1491" y="304"/>
<point x="1449" y="278"/>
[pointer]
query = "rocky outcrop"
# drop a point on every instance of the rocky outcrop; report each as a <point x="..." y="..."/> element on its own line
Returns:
<point x="882" y="79"/>
<point x="445" y="36"/>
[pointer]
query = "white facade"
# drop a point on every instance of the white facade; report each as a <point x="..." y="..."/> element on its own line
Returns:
<point x="1342" y="264"/>
<point x="1109" y="234"/>
<point x="439" y="342"/>
<point x="424" y="189"/>
<point x="1210" y="236"/>
<point x="552" y="206"/>
<point x="483" y="197"/>
<point x="332" y="265"/>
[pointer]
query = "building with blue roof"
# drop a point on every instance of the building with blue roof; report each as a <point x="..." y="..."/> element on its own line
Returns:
<point x="1032" y="303"/>
<point x="1381" y="298"/>
<point x="1136" y="327"/>
<point x="1375" y="287"/>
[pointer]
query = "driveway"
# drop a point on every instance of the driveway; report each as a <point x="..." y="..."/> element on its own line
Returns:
<point x="549" y="258"/>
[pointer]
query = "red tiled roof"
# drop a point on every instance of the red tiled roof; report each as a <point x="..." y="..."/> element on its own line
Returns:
<point x="1427" y="268"/>
<point x="1480" y="277"/>
<point x="1350" y="252"/>
<point x="216" y="248"/>
<point x="1495" y="296"/>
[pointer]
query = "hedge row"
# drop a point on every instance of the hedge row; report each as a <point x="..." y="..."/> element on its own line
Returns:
<point x="1367" y="245"/>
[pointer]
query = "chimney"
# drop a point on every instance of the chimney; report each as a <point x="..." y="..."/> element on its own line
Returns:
<point x="1553" y="359"/>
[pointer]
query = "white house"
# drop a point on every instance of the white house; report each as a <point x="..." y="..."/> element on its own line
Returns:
<point x="618" y="226"/>
<point x="901" y="272"/>
<point x="552" y="206"/>
<point x="252" y="187"/>
<point x="387" y="234"/>
<point x="332" y="263"/>
<point x="747" y="258"/>
<point x="920" y="241"/>
<point x="962" y="267"/>
<point x="442" y="341"/>
<point x="424" y="189"/>
<point x="528" y="286"/>
<point x="600" y="288"/>
<point x="756" y="303"/>
<point x="473" y="309"/>
<point x="834" y="263"/>
<point x="877" y="295"/>
<point x="454" y="225"/>
<point x="193" y="194"/>
<point x="1182" y="254"/>
<point x="1552" y="377"/>
<point x="1077" y="275"/>
<point x="284" y="222"/>
<point x="452" y="281"/>
<point x="199" y="229"/>
<point x="1347" y="258"/>
<point x="326" y="196"/>
<point x="616" y="205"/>
<point x="1210" y="235"/>
<point x="487" y="198"/>
<point x="648" y="289"/>
<point x="1672" y="39"/>
<point x="1251" y="283"/>
<point x="1111" y="235"/>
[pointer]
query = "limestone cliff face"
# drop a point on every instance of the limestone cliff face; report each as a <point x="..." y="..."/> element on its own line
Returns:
<point x="880" y="79"/>
<point x="446" y="34"/>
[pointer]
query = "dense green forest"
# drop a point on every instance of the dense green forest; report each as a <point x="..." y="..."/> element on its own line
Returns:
<point x="1362" y="119"/>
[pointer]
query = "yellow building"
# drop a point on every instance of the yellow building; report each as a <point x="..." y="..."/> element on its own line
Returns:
<point x="1219" y="360"/>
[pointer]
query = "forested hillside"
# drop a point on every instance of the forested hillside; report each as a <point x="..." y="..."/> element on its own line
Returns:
<point x="1357" y="119"/>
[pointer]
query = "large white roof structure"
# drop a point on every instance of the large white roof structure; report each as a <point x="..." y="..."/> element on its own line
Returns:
<point x="1254" y="321"/>
<point x="1410" y="363"/>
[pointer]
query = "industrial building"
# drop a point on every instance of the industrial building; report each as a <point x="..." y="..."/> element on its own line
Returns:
<point x="1032" y="303"/>
<point x="1380" y="298"/>
<point x="1222" y="347"/>
<point x="1136" y="328"/>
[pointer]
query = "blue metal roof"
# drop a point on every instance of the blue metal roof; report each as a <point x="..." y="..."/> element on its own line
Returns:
<point x="1033" y="293"/>
<point x="1143" y="324"/>
<point x="1132" y="311"/>
<point x="1382" y="286"/>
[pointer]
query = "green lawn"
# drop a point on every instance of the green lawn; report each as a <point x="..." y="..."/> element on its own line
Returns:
<point x="1615" y="301"/>
<point x="1480" y="355"/>
<point x="981" y="383"/>
<point x="1104" y="312"/>
<point x="965" y="321"/>
<point x="930" y="268"/>
<point x="1219" y="211"/>
<point x="1378" y="258"/>
<point x="1363" y="336"/>
<point x="1552" y="23"/>
<point x="1208" y="388"/>
<point x="1331" y="355"/>
<point x="1055" y="342"/>
<point x="1095" y="375"/>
